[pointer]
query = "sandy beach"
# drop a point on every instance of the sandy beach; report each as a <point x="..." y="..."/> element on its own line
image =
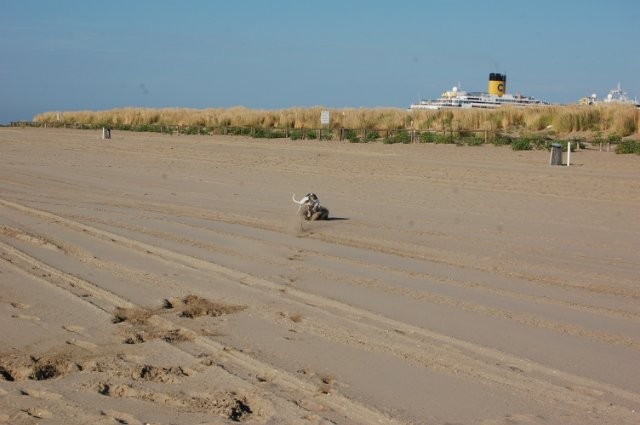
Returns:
<point x="159" y="279"/>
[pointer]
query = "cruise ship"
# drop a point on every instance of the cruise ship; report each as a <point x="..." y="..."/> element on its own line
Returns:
<point x="496" y="96"/>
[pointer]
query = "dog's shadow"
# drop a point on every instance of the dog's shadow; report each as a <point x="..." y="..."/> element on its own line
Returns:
<point x="337" y="218"/>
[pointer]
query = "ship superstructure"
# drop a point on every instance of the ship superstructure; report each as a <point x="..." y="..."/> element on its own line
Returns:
<point x="616" y="95"/>
<point x="494" y="98"/>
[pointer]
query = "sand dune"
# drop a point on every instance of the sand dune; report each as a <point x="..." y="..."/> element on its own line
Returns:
<point x="168" y="280"/>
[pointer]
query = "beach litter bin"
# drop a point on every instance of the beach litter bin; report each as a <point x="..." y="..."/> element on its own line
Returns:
<point x="556" y="154"/>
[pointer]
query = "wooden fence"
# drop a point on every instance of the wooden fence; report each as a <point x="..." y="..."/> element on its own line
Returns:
<point x="401" y="135"/>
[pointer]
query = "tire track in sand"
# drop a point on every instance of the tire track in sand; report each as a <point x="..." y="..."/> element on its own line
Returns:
<point x="453" y="355"/>
<point x="287" y="386"/>
<point x="528" y="319"/>
<point x="406" y="250"/>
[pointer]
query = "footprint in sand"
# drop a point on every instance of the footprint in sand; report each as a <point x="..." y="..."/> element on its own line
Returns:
<point x="43" y="395"/>
<point x="515" y="419"/>
<point x="118" y="390"/>
<point x="26" y="317"/>
<point x="38" y="412"/>
<point x="73" y="329"/>
<point x="120" y="417"/>
<point x="132" y="358"/>
<point x="90" y="346"/>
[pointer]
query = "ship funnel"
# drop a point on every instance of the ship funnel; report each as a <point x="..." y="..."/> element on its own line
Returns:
<point x="497" y="84"/>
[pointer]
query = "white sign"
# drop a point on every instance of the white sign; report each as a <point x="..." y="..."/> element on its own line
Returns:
<point x="324" y="117"/>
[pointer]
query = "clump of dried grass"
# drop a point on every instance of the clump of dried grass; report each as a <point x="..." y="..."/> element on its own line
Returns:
<point x="142" y="329"/>
<point x="133" y="315"/>
<point x="149" y="333"/>
<point x="193" y="306"/>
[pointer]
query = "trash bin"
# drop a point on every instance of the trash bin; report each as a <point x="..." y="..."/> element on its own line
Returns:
<point x="556" y="154"/>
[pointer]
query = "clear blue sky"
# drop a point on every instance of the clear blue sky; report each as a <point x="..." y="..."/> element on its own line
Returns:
<point x="96" y="54"/>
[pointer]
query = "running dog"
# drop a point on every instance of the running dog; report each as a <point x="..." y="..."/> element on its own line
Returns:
<point x="310" y="207"/>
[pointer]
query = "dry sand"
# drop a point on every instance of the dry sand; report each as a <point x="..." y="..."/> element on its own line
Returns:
<point x="168" y="280"/>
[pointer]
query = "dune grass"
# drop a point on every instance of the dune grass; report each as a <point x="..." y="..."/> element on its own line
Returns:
<point x="622" y="120"/>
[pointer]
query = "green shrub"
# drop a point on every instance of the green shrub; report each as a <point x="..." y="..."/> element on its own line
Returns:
<point x="302" y="133"/>
<point x="539" y="142"/>
<point x="614" y="138"/>
<point x="371" y="135"/>
<point x="628" y="146"/>
<point x="444" y="139"/>
<point x="260" y="133"/>
<point x="398" y="137"/>
<point x="239" y="131"/>
<point x="143" y="128"/>
<point x="521" y="144"/>
<point x="470" y="141"/>
<point x="501" y="140"/>
<point x="277" y="134"/>
<point x="326" y="134"/>
<point x="403" y="137"/>
<point x="598" y="138"/>
<point x="427" y="137"/>
<point x="296" y="134"/>
<point x="190" y="130"/>
<point x="352" y="136"/>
